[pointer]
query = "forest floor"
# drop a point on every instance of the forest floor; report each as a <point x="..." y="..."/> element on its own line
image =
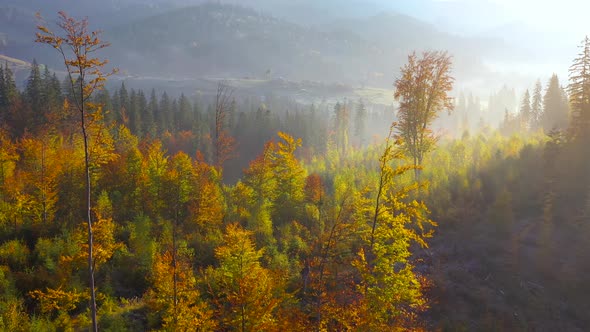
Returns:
<point x="485" y="280"/>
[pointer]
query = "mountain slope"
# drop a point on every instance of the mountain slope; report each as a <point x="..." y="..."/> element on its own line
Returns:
<point x="230" y="41"/>
<point x="224" y="40"/>
<point x="152" y="38"/>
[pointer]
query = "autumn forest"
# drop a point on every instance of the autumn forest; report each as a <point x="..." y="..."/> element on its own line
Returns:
<point x="131" y="209"/>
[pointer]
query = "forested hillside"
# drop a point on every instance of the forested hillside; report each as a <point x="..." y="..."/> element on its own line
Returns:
<point x="223" y="40"/>
<point x="130" y="210"/>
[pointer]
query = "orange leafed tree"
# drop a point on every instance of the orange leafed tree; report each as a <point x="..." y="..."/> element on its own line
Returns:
<point x="422" y="92"/>
<point x="76" y="44"/>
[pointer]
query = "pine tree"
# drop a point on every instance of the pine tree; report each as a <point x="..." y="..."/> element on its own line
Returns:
<point x="555" y="105"/>
<point x="34" y="96"/>
<point x="360" y="123"/>
<point x="462" y="114"/>
<point x="67" y="89"/>
<point x="231" y="115"/>
<point x="537" y="106"/>
<point x="10" y="86"/>
<point x="141" y="109"/>
<point x="170" y="116"/>
<point x="124" y="105"/>
<point x="133" y="113"/>
<point x="116" y="107"/>
<point x="3" y="97"/>
<point x="103" y="98"/>
<point x="196" y="125"/>
<point x="184" y="115"/>
<point x="161" y="116"/>
<point x="149" y="126"/>
<point x="341" y="126"/>
<point x="579" y="90"/>
<point x="3" y="101"/>
<point x="52" y="100"/>
<point x="17" y="113"/>
<point x="526" y="111"/>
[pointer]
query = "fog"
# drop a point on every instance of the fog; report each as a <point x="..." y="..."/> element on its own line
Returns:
<point x="294" y="165"/>
<point x="188" y="44"/>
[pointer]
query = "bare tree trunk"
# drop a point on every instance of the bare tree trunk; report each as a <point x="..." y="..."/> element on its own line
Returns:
<point x="75" y="48"/>
<point x="378" y="202"/>
<point x="43" y="186"/>
<point x="416" y="170"/>
<point x="174" y="272"/>
<point x="89" y="220"/>
<point x="324" y="252"/>
<point x="222" y="143"/>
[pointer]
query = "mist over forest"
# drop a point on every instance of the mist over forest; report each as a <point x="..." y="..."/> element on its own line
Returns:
<point x="275" y="165"/>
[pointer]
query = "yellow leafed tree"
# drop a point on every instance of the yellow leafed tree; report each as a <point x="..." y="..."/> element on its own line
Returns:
<point x="242" y="290"/>
<point x="174" y="295"/>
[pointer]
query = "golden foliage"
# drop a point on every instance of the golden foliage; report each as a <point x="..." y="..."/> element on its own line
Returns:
<point x="58" y="299"/>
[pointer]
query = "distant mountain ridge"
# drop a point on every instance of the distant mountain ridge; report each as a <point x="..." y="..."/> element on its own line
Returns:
<point x="229" y="41"/>
<point x="157" y="38"/>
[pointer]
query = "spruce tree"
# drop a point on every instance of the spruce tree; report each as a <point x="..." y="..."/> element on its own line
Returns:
<point x="171" y="115"/>
<point x="360" y="122"/>
<point x="11" y="93"/>
<point x="579" y="90"/>
<point x="3" y="97"/>
<point x="555" y="105"/>
<point x="341" y="125"/>
<point x="140" y="108"/>
<point x="537" y="106"/>
<point x="462" y="114"/>
<point x="116" y="107"/>
<point x="9" y="85"/>
<point x="183" y="117"/>
<point x="164" y="110"/>
<point x="525" y="111"/>
<point x="149" y="115"/>
<point x="124" y="104"/>
<point x="2" y="89"/>
<point x="51" y="93"/>
<point x="67" y="89"/>
<point x="34" y="96"/>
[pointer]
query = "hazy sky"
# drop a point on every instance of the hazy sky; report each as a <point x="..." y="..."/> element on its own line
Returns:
<point x="546" y="32"/>
<point x="562" y="16"/>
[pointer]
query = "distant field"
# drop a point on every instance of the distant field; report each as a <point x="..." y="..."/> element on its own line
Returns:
<point x="376" y="95"/>
<point x="306" y="91"/>
<point x="13" y="61"/>
<point x="314" y="90"/>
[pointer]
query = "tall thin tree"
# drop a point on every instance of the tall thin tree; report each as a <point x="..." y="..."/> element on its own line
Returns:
<point x="579" y="90"/>
<point x="525" y="111"/>
<point x="422" y="92"/>
<point x="223" y="143"/>
<point x="537" y="106"/>
<point x="555" y="106"/>
<point x="76" y="44"/>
